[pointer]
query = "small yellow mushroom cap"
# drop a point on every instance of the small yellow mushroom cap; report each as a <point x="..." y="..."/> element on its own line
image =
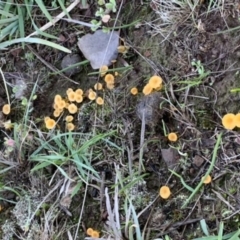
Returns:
<point x="68" y="118"/>
<point x="103" y="70"/>
<point x="109" y="78"/>
<point x="237" y="119"/>
<point x="69" y="90"/>
<point x="70" y="126"/>
<point x="229" y="121"/>
<point x="207" y="180"/>
<point x="155" y="82"/>
<point x="165" y="192"/>
<point x="92" y="95"/>
<point x="172" y="137"/>
<point x="79" y="91"/>
<point x="99" y="101"/>
<point x="98" y="86"/>
<point x="57" y="113"/>
<point x="55" y="106"/>
<point x="110" y="86"/>
<point x="134" y="91"/>
<point x="78" y="98"/>
<point x="50" y="123"/>
<point x="147" y="89"/>
<point x="89" y="231"/>
<point x="72" y="108"/>
<point x="95" y="234"/>
<point x="71" y="96"/>
<point x="46" y="119"/>
<point x="122" y="49"/>
<point x="57" y="98"/>
<point x="61" y="104"/>
<point x="6" y="109"/>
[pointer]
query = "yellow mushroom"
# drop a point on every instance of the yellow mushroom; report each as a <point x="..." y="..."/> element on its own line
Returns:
<point x="69" y="118"/>
<point x="98" y="86"/>
<point x="61" y="104"/>
<point x="103" y="70"/>
<point x="165" y="192"/>
<point x="79" y="91"/>
<point x="229" y="121"/>
<point x="134" y="91"/>
<point x="99" y="101"/>
<point x="207" y="179"/>
<point x="147" y="89"/>
<point x="50" y="123"/>
<point x="95" y="234"/>
<point x="237" y="119"/>
<point x="78" y="98"/>
<point x="71" y="96"/>
<point x="92" y="95"/>
<point x="69" y="90"/>
<point x="172" y="137"/>
<point x="57" y="113"/>
<point x="72" y="108"/>
<point x="6" y="109"/>
<point x="70" y="126"/>
<point x="109" y="78"/>
<point x="155" y="82"/>
<point x="57" y="98"/>
<point x="110" y="86"/>
<point x="89" y="231"/>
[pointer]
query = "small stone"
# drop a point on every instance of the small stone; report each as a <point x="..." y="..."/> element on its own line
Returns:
<point x="69" y="60"/>
<point x="170" y="157"/>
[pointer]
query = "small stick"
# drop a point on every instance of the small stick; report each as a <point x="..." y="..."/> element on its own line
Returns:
<point x="56" y="19"/>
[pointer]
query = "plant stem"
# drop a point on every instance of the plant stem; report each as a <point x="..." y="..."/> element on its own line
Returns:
<point x="214" y="157"/>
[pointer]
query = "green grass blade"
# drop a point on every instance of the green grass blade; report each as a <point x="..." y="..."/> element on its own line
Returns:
<point x="235" y="236"/>
<point x="36" y="41"/>
<point x="44" y="10"/>
<point x="5" y="14"/>
<point x="8" y="29"/>
<point x="6" y="8"/>
<point x="220" y="231"/>
<point x="61" y="3"/>
<point x="214" y="157"/>
<point x="47" y="35"/>
<point x="21" y="23"/>
<point x="8" y="20"/>
<point x="204" y="227"/>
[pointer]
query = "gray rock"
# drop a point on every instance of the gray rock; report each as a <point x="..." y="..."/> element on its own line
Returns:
<point x="69" y="60"/>
<point x="99" y="48"/>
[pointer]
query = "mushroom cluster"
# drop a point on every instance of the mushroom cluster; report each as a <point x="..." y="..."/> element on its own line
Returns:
<point x="93" y="233"/>
<point x="154" y="84"/>
<point x="71" y="103"/>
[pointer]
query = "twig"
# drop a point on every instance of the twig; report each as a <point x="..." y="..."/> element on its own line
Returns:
<point x="56" y="19"/>
<point x="5" y="85"/>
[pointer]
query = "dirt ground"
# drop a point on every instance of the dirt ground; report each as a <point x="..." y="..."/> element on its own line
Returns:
<point x="196" y="50"/>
